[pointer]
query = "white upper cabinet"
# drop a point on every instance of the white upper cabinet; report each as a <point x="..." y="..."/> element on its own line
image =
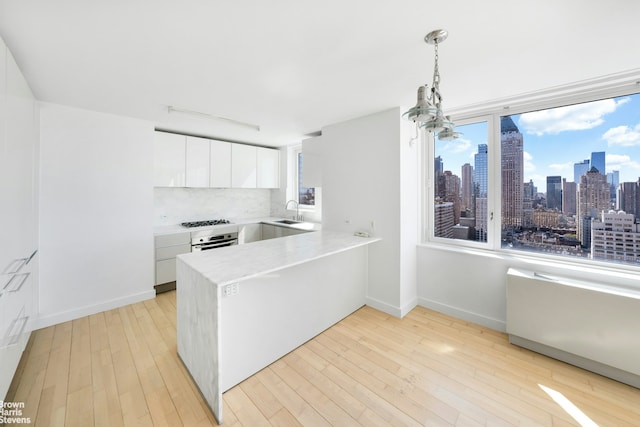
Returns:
<point x="197" y="163"/>
<point x="243" y="166"/>
<point x="188" y="161"/>
<point x="169" y="160"/>
<point x="220" y="164"/>
<point x="267" y="167"/>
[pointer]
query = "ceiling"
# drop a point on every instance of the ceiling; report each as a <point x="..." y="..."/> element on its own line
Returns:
<point x="294" y="66"/>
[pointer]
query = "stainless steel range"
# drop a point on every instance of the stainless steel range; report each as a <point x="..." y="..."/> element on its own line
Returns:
<point x="205" y="223"/>
<point x="213" y="238"/>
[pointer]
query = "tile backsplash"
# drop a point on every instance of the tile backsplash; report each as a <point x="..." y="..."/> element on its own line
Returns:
<point x="176" y="205"/>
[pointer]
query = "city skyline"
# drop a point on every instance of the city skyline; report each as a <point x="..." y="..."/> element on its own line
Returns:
<point x="556" y="139"/>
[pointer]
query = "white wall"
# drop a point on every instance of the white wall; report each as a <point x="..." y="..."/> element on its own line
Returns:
<point x="366" y="162"/>
<point x="96" y="209"/>
<point x="471" y="284"/>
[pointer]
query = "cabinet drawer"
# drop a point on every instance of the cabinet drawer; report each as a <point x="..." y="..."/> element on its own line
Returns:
<point x="171" y="251"/>
<point x="172" y="239"/>
<point x="165" y="271"/>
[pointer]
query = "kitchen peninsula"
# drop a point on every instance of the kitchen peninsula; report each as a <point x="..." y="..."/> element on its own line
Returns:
<point x="242" y="307"/>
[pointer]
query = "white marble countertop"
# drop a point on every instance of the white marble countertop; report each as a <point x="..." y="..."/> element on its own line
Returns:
<point x="177" y="228"/>
<point x="236" y="263"/>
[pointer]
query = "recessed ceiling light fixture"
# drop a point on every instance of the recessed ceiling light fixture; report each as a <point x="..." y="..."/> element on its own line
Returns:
<point x="182" y="111"/>
<point x="427" y="113"/>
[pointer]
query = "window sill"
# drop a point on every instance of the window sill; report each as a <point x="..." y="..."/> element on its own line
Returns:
<point x="540" y="261"/>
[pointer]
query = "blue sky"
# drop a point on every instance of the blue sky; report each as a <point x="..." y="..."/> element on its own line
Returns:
<point x="556" y="139"/>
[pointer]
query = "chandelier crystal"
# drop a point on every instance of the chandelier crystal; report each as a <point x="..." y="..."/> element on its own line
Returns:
<point x="427" y="113"/>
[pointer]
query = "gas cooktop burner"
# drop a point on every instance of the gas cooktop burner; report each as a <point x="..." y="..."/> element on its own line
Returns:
<point x="205" y="223"/>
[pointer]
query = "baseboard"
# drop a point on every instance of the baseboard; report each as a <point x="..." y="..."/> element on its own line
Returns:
<point x="391" y="310"/>
<point x="65" y="316"/>
<point x="491" y="323"/>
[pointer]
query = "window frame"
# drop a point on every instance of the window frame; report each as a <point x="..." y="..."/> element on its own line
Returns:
<point x="617" y="85"/>
<point x="428" y="158"/>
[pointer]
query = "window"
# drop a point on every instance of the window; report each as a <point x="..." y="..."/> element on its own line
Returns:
<point x="460" y="185"/>
<point x="305" y="196"/>
<point x="563" y="180"/>
<point x="569" y="174"/>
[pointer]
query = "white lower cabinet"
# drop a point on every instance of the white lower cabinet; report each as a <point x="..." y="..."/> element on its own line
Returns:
<point x="17" y="316"/>
<point x="167" y="247"/>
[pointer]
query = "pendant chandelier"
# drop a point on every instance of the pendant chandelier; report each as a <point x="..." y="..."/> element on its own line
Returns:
<point x="427" y="113"/>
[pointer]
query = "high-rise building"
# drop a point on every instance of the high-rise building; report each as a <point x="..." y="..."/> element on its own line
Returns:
<point x="443" y="220"/>
<point x="580" y="169"/>
<point x="629" y="197"/>
<point x="598" y="162"/>
<point x="480" y="183"/>
<point x="449" y="186"/>
<point x="615" y="236"/>
<point x="554" y="192"/>
<point x="613" y="178"/>
<point x="512" y="162"/>
<point x="438" y="168"/>
<point x="568" y="197"/>
<point x="593" y="198"/>
<point x="466" y="185"/>
<point x="528" y="194"/>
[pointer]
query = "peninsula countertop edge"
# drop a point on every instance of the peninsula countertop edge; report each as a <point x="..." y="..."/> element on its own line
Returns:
<point x="224" y="266"/>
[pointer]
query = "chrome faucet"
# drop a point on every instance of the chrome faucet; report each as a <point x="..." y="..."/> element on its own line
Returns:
<point x="298" y="217"/>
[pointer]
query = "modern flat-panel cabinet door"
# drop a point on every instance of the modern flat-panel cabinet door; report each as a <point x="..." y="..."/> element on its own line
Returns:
<point x="169" y="160"/>
<point x="220" y="164"/>
<point x="268" y="167"/>
<point x="197" y="174"/>
<point x="18" y="216"/>
<point x="243" y="166"/>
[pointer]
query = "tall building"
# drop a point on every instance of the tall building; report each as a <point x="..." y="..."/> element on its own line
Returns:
<point x="466" y="185"/>
<point x="598" y="162"/>
<point x="480" y="183"/>
<point x="615" y="236"/>
<point x="443" y="220"/>
<point x="568" y="197"/>
<point x="438" y="166"/>
<point x="449" y="185"/>
<point x="629" y="197"/>
<point x="593" y="198"/>
<point x="512" y="162"/>
<point x="580" y="169"/>
<point x="528" y="194"/>
<point x="554" y="192"/>
<point x="613" y="178"/>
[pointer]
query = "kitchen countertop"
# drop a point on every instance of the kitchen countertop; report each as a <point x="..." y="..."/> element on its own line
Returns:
<point x="236" y="263"/>
<point x="177" y="228"/>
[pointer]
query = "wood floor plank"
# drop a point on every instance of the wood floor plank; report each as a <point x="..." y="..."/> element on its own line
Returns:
<point x="120" y="367"/>
<point x="53" y="401"/>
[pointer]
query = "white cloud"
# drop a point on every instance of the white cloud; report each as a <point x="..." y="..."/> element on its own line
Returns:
<point x="529" y="166"/>
<point x="456" y="146"/>
<point x="561" y="167"/>
<point x="623" y="136"/>
<point x="571" y="117"/>
<point x="621" y="162"/>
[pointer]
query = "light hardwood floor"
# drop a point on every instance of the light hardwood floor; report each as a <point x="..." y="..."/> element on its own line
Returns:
<point x="120" y="367"/>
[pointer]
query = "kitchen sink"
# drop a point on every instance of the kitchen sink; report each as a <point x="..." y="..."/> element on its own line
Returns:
<point x="288" y="221"/>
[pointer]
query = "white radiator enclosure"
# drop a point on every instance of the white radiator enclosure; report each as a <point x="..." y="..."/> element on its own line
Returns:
<point x="593" y="326"/>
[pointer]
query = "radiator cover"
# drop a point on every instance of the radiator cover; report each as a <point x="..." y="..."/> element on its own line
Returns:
<point x="595" y="327"/>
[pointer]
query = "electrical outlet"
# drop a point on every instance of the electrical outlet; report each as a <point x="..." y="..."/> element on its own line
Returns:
<point x="231" y="290"/>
